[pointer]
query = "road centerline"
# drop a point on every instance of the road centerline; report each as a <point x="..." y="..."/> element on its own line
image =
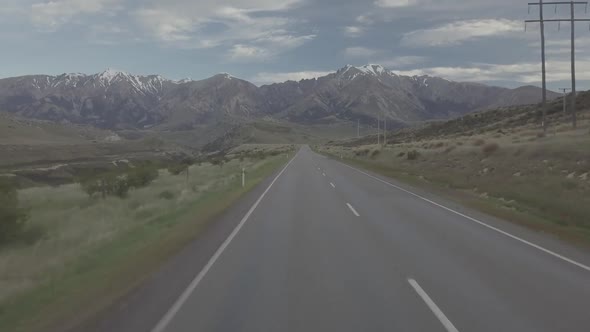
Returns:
<point x="353" y="210"/>
<point x="333" y="186"/>
<point x="432" y="306"/>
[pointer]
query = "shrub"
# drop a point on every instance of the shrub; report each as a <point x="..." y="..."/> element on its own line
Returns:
<point x="479" y="142"/>
<point x="12" y="218"/>
<point x="375" y="153"/>
<point x="166" y="194"/>
<point x="108" y="184"/>
<point x="141" y="176"/>
<point x="569" y="185"/>
<point x="413" y="155"/>
<point x="490" y="148"/>
<point x="177" y="168"/>
<point x="449" y="149"/>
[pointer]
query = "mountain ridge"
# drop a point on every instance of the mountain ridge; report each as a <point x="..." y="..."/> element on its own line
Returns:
<point x="115" y="99"/>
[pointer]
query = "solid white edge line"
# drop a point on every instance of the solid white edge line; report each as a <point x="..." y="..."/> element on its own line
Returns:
<point x="353" y="210"/>
<point x="333" y="186"/>
<point x="163" y="323"/>
<point x="547" y="251"/>
<point x="433" y="307"/>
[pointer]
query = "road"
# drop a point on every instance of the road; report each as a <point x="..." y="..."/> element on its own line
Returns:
<point x="326" y="247"/>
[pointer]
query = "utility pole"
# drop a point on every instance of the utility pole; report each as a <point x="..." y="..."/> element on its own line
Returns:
<point x="573" y="27"/>
<point x="572" y="21"/>
<point x="378" y="130"/>
<point x="564" y="99"/>
<point x="543" y="69"/>
<point x="384" y="131"/>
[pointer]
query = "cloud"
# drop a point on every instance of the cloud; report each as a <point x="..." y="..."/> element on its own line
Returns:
<point x="51" y="15"/>
<point x="394" y="3"/>
<point x="285" y="41"/>
<point x="461" y="31"/>
<point x="353" y="31"/>
<point x="266" y="47"/>
<point x="526" y="72"/>
<point x="250" y="31"/>
<point x="166" y="26"/>
<point x="247" y="53"/>
<point x="364" y="19"/>
<point x="360" y="52"/>
<point x="563" y="46"/>
<point x="403" y="61"/>
<point x="266" y="77"/>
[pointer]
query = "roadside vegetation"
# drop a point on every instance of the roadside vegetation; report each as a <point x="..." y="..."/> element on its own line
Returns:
<point x="77" y="247"/>
<point x="498" y="161"/>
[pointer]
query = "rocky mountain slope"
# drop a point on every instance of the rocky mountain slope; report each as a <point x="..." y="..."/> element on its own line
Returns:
<point x="371" y="91"/>
<point x="118" y="100"/>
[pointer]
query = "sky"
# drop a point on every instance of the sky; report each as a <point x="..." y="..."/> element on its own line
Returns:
<point x="266" y="41"/>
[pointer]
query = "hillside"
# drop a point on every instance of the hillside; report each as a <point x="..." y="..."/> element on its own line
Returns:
<point x="500" y="120"/>
<point x="497" y="161"/>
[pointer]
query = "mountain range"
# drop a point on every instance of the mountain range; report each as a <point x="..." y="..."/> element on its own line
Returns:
<point x="117" y="100"/>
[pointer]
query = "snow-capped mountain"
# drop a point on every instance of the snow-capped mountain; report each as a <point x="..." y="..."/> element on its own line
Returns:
<point x="367" y="92"/>
<point x="110" y="78"/>
<point x="116" y="99"/>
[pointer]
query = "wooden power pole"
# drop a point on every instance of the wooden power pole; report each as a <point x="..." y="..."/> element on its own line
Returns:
<point x="572" y="21"/>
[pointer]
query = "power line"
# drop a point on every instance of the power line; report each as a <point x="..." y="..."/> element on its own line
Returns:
<point x="572" y="20"/>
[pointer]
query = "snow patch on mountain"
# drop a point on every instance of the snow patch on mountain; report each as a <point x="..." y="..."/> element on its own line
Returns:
<point x="352" y="72"/>
<point x="372" y="69"/>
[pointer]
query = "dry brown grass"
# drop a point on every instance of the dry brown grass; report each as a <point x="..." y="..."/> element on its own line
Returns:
<point x="545" y="179"/>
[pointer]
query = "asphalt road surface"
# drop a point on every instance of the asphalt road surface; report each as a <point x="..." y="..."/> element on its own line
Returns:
<point x="326" y="247"/>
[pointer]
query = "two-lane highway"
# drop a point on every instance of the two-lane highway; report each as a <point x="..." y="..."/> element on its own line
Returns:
<point x="330" y="248"/>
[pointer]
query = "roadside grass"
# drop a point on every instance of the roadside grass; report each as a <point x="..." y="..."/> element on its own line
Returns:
<point x="543" y="182"/>
<point x="96" y="250"/>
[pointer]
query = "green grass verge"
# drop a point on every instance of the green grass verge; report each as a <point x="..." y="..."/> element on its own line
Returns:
<point x="94" y="280"/>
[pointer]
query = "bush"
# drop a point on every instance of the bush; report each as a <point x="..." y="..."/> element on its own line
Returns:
<point x="449" y="149"/>
<point x="141" y="176"/>
<point x="217" y="161"/>
<point x="166" y="194"/>
<point x="479" y="142"/>
<point x="109" y="184"/>
<point x="413" y="155"/>
<point x="569" y="185"/>
<point x="375" y="153"/>
<point x="490" y="148"/>
<point x="12" y="218"/>
<point x="177" y="168"/>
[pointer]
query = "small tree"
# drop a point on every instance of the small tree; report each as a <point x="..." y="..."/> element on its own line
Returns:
<point x="141" y="176"/>
<point x="107" y="184"/>
<point x="12" y="218"/>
